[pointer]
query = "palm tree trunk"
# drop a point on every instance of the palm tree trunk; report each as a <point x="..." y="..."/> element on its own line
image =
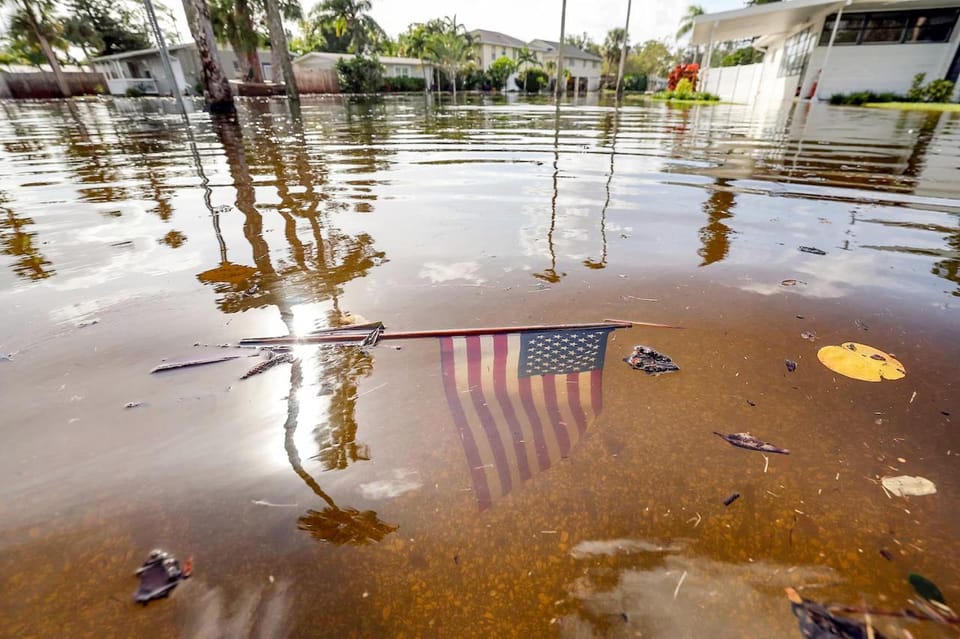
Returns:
<point x="216" y="87"/>
<point x="249" y="39"/>
<point x="47" y="50"/>
<point x="281" y="51"/>
<point x="453" y="79"/>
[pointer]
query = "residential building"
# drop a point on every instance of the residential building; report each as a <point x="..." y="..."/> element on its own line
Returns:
<point x="143" y="69"/>
<point x="816" y="48"/>
<point x="583" y="67"/>
<point x="392" y="67"/>
<point x="491" y="45"/>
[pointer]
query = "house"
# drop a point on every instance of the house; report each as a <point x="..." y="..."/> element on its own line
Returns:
<point x="143" y="69"/>
<point x="491" y="45"/>
<point x="816" y="48"/>
<point x="317" y="66"/>
<point x="584" y="67"/>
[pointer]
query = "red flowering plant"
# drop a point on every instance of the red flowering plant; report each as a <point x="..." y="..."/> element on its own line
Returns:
<point x="681" y="71"/>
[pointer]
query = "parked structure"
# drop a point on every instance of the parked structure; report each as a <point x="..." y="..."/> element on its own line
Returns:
<point x="816" y="48"/>
<point x="143" y="70"/>
<point x="318" y="65"/>
<point x="584" y="67"/>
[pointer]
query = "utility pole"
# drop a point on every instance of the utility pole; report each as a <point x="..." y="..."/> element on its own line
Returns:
<point x="563" y="26"/>
<point x="623" y="52"/>
<point x="281" y="51"/>
<point x="165" y="56"/>
<point x="216" y="87"/>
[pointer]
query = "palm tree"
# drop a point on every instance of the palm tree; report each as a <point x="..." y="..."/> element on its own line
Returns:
<point x="613" y="44"/>
<point x="351" y="21"/>
<point x="37" y="18"/>
<point x="450" y="51"/>
<point x="233" y="23"/>
<point x="686" y="22"/>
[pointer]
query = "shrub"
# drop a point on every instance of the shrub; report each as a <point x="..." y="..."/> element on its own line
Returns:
<point x="473" y="79"/>
<point x="683" y="72"/>
<point x="635" y="82"/>
<point x="915" y="94"/>
<point x="404" y="83"/>
<point x="359" y="74"/>
<point x="532" y="80"/>
<point x="501" y="69"/>
<point x="938" y="91"/>
<point x="134" y="92"/>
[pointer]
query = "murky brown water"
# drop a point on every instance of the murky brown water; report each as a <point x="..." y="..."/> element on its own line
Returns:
<point x="336" y="496"/>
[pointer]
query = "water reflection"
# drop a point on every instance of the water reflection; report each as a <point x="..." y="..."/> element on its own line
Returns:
<point x="715" y="236"/>
<point x="19" y="242"/>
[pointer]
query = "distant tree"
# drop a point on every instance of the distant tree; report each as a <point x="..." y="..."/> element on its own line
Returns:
<point x="750" y="3"/>
<point x="612" y="46"/>
<point x="347" y="27"/>
<point x="34" y="23"/>
<point x="359" y="74"/>
<point x="652" y="58"/>
<point x="500" y="70"/>
<point x="413" y="42"/>
<point x="233" y="22"/>
<point x="526" y="59"/>
<point x="742" y="55"/>
<point x="450" y="51"/>
<point x="686" y="22"/>
<point x="583" y="42"/>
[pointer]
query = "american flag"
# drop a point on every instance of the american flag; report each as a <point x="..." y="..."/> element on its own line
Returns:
<point x="521" y="401"/>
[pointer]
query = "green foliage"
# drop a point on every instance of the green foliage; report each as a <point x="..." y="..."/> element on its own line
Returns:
<point x="105" y="27"/>
<point x="937" y="91"/>
<point x="401" y="83"/>
<point x="532" y="80"/>
<point x="584" y="42"/>
<point x="501" y="69"/>
<point x="635" y="82"/>
<point x="684" y="92"/>
<point x="359" y="74"/>
<point x="684" y="89"/>
<point x="686" y="22"/>
<point x="650" y="58"/>
<point x="343" y="26"/>
<point x="743" y="55"/>
<point x="134" y="92"/>
<point x="451" y="49"/>
<point x="612" y="46"/>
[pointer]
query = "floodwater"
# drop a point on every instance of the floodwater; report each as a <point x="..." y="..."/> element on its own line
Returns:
<point x="340" y="495"/>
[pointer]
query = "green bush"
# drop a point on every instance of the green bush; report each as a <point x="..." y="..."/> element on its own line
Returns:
<point x="501" y="69"/>
<point x="635" y="82"/>
<point x="401" y="83"/>
<point x="359" y="74"/>
<point x="134" y="92"/>
<point x="684" y="91"/>
<point x="532" y="80"/>
<point x="938" y="91"/>
<point x="915" y="94"/>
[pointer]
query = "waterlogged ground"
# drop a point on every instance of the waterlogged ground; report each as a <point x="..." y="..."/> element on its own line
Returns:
<point x="334" y="496"/>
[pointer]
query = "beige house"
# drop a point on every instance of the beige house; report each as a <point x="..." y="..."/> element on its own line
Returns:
<point x="319" y="63"/>
<point x="491" y="45"/>
<point x="584" y="67"/>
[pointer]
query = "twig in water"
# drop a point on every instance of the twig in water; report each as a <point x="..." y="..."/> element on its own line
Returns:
<point x="263" y="502"/>
<point x="679" y="583"/>
<point x="766" y="463"/>
<point x="697" y="519"/>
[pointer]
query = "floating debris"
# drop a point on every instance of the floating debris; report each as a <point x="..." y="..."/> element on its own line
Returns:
<point x="270" y="504"/>
<point x="732" y="498"/>
<point x="816" y="622"/>
<point x="861" y="325"/>
<point x="926" y="588"/>
<point x="89" y="322"/>
<point x="273" y="360"/>
<point x="160" y="574"/>
<point x="812" y="250"/>
<point x="859" y="361"/>
<point x="644" y="358"/>
<point x="809" y="336"/>
<point x="792" y="282"/>
<point x="748" y="441"/>
<point x="199" y="361"/>
<point x="791" y="365"/>
<point x="907" y="486"/>
<point x="132" y="404"/>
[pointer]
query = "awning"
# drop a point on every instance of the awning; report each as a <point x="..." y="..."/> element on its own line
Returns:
<point x="758" y="20"/>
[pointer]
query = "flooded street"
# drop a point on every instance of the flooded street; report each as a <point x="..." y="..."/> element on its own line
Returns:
<point x="378" y="492"/>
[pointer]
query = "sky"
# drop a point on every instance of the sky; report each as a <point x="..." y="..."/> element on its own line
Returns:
<point x="530" y="19"/>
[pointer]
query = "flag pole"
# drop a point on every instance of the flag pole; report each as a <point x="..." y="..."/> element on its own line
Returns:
<point x="356" y="334"/>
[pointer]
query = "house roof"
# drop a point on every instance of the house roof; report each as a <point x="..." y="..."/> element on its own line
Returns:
<point x="328" y="55"/>
<point x="780" y="18"/>
<point x="569" y="51"/>
<point x="142" y="52"/>
<point x="495" y="37"/>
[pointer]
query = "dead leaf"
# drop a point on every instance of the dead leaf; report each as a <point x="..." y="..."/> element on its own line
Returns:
<point x="908" y="486"/>
<point x="860" y="361"/>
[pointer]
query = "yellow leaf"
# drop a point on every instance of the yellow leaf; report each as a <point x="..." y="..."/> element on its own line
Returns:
<point x="860" y="361"/>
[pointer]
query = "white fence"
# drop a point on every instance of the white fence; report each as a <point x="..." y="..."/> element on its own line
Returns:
<point x="733" y="84"/>
<point x="119" y="86"/>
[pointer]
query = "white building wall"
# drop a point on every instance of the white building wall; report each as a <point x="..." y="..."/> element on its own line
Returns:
<point x="877" y="68"/>
<point x="734" y="84"/>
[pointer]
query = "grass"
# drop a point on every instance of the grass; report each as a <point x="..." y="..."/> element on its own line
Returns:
<point x="949" y="107"/>
<point x="643" y="98"/>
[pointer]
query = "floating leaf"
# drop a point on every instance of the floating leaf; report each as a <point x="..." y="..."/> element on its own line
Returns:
<point x="926" y="588"/>
<point x="907" y="486"/>
<point x="860" y="361"/>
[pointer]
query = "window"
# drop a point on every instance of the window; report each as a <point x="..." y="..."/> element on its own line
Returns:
<point x="404" y="72"/>
<point x="504" y="52"/>
<point x="892" y="27"/>
<point x="796" y="52"/>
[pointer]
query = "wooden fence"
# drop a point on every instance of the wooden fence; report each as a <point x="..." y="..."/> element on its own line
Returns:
<point x="316" y="80"/>
<point x="41" y="85"/>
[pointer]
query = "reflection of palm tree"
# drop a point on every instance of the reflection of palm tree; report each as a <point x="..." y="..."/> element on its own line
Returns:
<point x="550" y="274"/>
<point x="613" y="127"/>
<point x="15" y="240"/>
<point x="337" y="442"/>
<point x="338" y="526"/>
<point x="716" y="235"/>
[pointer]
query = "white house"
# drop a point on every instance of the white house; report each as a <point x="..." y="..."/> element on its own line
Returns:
<point x="584" y="67"/>
<point x="143" y="69"/>
<point x="816" y="48"/>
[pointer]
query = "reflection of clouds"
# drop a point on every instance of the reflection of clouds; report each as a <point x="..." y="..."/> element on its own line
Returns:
<point x="438" y="272"/>
<point x="610" y="547"/>
<point x="390" y="488"/>
<point x="715" y="599"/>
